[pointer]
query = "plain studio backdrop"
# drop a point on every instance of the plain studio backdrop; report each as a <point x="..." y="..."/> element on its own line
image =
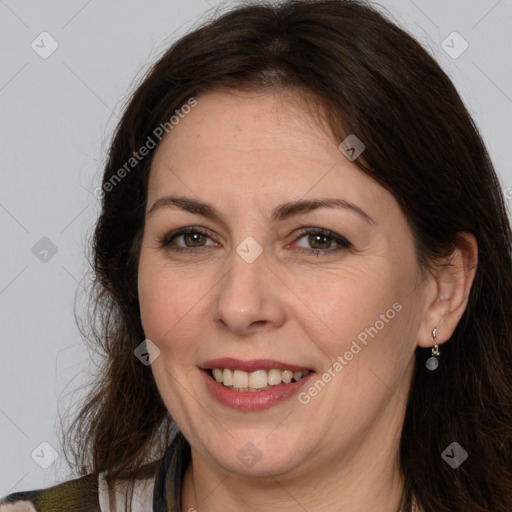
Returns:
<point x="66" y="68"/>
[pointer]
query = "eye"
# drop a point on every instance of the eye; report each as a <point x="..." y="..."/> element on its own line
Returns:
<point x="321" y="241"/>
<point x="191" y="239"/>
<point x="194" y="239"/>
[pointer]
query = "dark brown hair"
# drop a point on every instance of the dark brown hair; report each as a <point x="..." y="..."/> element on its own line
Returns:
<point x="372" y="79"/>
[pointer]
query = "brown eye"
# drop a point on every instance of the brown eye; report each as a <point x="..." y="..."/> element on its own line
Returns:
<point x="186" y="239"/>
<point x="193" y="239"/>
<point x="321" y="242"/>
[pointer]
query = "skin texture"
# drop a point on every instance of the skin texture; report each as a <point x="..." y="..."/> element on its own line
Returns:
<point x="246" y="154"/>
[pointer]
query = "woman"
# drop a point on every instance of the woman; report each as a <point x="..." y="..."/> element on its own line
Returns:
<point x="303" y="278"/>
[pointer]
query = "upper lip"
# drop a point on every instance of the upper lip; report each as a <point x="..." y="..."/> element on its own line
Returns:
<point x="250" y="365"/>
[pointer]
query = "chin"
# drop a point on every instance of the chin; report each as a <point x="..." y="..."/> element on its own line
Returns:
<point x="255" y="454"/>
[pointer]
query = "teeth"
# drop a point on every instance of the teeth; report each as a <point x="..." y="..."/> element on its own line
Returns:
<point x="240" y="379"/>
<point x="258" y="380"/>
<point x="227" y="377"/>
<point x="274" y="377"/>
<point x="287" y="376"/>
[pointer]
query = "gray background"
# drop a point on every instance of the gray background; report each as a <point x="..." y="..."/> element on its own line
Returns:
<point x="57" y="115"/>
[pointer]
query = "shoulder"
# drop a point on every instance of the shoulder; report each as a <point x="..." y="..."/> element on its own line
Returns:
<point x="78" y="495"/>
<point x="90" y="493"/>
<point x="154" y="485"/>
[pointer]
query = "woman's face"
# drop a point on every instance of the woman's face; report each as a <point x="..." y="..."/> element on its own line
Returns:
<point x="290" y="259"/>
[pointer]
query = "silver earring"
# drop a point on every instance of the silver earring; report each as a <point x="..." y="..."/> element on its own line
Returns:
<point x="432" y="362"/>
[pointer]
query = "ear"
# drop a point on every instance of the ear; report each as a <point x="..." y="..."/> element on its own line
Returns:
<point x="447" y="298"/>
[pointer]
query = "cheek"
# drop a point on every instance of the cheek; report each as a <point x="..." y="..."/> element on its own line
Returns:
<point x="365" y="317"/>
<point x="169" y="307"/>
<point x="347" y="302"/>
<point x="161" y="301"/>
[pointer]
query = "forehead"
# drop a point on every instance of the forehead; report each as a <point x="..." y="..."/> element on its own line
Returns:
<point x="247" y="121"/>
<point x="247" y="145"/>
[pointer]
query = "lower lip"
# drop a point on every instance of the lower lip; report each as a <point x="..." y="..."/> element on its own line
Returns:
<point x="253" y="400"/>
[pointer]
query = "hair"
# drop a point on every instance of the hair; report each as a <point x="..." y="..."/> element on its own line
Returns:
<point x="368" y="77"/>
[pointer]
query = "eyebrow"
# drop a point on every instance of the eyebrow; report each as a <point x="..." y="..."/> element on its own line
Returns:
<point x="282" y="212"/>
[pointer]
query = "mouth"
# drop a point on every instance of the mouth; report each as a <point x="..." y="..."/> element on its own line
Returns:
<point x="253" y="385"/>
<point x="256" y="381"/>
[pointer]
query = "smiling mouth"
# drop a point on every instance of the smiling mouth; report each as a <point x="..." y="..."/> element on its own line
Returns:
<point x="258" y="380"/>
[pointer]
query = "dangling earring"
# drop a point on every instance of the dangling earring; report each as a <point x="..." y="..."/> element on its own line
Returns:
<point x="432" y="362"/>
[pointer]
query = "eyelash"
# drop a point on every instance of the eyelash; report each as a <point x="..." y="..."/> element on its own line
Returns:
<point x="342" y="242"/>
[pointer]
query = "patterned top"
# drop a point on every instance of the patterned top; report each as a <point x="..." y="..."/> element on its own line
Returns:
<point x="90" y="493"/>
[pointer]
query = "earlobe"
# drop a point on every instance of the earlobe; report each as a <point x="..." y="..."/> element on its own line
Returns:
<point x="452" y="281"/>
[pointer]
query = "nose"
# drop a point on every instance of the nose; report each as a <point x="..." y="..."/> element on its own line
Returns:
<point x="249" y="297"/>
